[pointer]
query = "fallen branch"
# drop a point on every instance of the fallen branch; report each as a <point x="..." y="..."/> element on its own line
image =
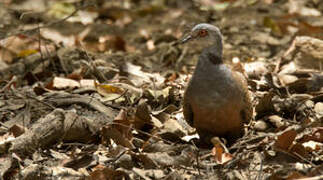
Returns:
<point x="57" y="126"/>
<point x="64" y="99"/>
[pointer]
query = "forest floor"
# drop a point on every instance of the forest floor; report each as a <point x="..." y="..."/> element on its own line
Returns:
<point x="94" y="89"/>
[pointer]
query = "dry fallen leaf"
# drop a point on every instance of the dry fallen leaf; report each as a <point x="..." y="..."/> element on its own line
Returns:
<point x="119" y="131"/>
<point x="17" y="130"/>
<point x="276" y="120"/>
<point x="87" y="83"/>
<point x="285" y="140"/>
<point x="63" y="83"/>
<point x="105" y="173"/>
<point x="220" y="152"/>
<point x="27" y="52"/>
<point x="265" y="104"/>
<point x="110" y="92"/>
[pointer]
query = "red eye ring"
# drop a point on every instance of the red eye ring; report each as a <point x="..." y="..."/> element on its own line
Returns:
<point x="203" y="33"/>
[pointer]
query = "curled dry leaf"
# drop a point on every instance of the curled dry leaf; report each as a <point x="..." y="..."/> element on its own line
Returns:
<point x="138" y="77"/>
<point x="119" y="131"/>
<point x="220" y="152"/>
<point x="287" y="79"/>
<point x="110" y="133"/>
<point x="123" y="124"/>
<point x="318" y="108"/>
<point x="276" y="120"/>
<point x="160" y="94"/>
<point x="265" y="104"/>
<point x="260" y="125"/>
<point x="142" y="118"/>
<point x="172" y="130"/>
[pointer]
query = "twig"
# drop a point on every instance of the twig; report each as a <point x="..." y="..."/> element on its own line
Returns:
<point x="4" y="125"/>
<point x="260" y="170"/>
<point x="75" y="99"/>
<point x="313" y="178"/>
<point x="13" y="80"/>
<point x="34" y="98"/>
<point x="93" y="66"/>
<point x="249" y="139"/>
<point x="39" y="47"/>
<point x="197" y="158"/>
<point x="143" y="132"/>
<point x="118" y="157"/>
<point x="283" y="57"/>
<point x="121" y="95"/>
<point x="304" y="159"/>
<point x="181" y="57"/>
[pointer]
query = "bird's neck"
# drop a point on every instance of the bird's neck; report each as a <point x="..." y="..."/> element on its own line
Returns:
<point x="213" y="53"/>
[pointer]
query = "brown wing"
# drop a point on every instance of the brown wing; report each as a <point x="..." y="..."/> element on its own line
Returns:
<point x="246" y="111"/>
<point x="187" y="111"/>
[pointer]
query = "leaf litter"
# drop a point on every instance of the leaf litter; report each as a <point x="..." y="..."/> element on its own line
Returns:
<point x="94" y="91"/>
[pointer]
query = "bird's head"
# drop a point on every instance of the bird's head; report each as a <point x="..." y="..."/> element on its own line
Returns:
<point x="203" y="31"/>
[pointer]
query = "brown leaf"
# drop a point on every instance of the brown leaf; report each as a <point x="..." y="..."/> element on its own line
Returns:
<point x="113" y="42"/>
<point x="79" y="162"/>
<point x="123" y="124"/>
<point x="265" y="104"/>
<point x="285" y="140"/>
<point x="142" y="119"/>
<point x="105" y="173"/>
<point x="119" y="131"/>
<point x="108" y="133"/>
<point x="295" y="175"/>
<point x="172" y="130"/>
<point x="299" y="150"/>
<point x="39" y="90"/>
<point x="17" y="130"/>
<point x="316" y="135"/>
<point x="220" y="152"/>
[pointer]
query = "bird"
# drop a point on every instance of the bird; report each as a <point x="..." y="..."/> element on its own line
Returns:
<point x="216" y="101"/>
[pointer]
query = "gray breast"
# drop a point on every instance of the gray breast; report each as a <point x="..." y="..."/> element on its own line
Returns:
<point x="212" y="85"/>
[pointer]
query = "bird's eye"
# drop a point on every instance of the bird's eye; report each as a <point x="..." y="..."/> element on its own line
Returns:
<point x="202" y="33"/>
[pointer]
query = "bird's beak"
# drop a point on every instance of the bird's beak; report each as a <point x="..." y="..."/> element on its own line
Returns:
<point x="183" y="40"/>
<point x="186" y="39"/>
